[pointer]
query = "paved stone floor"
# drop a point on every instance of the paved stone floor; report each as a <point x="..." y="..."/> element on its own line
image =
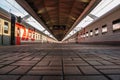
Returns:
<point x="59" y="62"/>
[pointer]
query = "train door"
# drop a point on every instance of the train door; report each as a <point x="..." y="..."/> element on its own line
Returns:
<point x="18" y="40"/>
<point x="6" y="33"/>
<point x="18" y="36"/>
<point x="15" y="31"/>
<point x="13" y="19"/>
<point x="1" y="33"/>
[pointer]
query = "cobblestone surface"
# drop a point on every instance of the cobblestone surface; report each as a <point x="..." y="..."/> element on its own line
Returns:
<point x="60" y="62"/>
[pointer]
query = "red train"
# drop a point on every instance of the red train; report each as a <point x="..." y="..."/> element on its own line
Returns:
<point x="12" y="32"/>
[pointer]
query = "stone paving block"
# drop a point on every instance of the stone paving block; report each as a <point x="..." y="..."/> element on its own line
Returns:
<point x="89" y="56"/>
<point x="52" y="78"/>
<point x="75" y="63"/>
<point x="115" y="57"/>
<point x="33" y="72"/>
<point x="6" y="69"/>
<point x="52" y="58"/>
<point x="106" y="57"/>
<point x="7" y="62"/>
<point x="115" y="61"/>
<point x="55" y="63"/>
<point x="30" y="77"/>
<point x="88" y="70"/>
<point x="12" y="58"/>
<point x="42" y="52"/>
<point x="20" y="70"/>
<point x="8" y="77"/>
<point x="43" y="63"/>
<point x="85" y="78"/>
<point x="108" y="67"/>
<point x="105" y="62"/>
<point x="1" y="61"/>
<point x="94" y="62"/>
<point x="67" y="58"/>
<point x="25" y="63"/>
<point x="71" y="70"/>
<point x="111" y="71"/>
<point x="46" y="71"/>
<point x="4" y="56"/>
<point x="115" y="77"/>
<point x="1" y="66"/>
<point x="77" y="59"/>
<point x="93" y="58"/>
<point x="47" y="68"/>
<point x="37" y="58"/>
<point x="27" y="58"/>
<point x="118" y="63"/>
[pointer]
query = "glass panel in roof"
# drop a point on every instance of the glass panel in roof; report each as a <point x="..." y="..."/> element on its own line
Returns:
<point x="46" y="32"/>
<point x="12" y="7"/>
<point x="34" y="23"/>
<point x="104" y="6"/>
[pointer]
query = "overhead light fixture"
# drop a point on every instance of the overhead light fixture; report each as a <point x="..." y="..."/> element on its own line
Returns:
<point x="86" y="1"/>
<point x="41" y="11"/>
<point x="73" y="18"/>
<point x="50" y="8"/>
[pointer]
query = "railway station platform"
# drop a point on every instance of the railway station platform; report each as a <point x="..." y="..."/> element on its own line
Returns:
<point x="60" y="62"/>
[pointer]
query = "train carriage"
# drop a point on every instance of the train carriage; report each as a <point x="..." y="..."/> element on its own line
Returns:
<point x="105" y="30"/>
<point x="14" y="31"/>
<point x="5" y="27"/>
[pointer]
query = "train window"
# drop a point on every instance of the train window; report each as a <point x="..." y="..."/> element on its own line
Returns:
<point x="116" y="25"/>
<point x="40" y="37"/>
<point x="87" y="34"/>
<point x="91" y="33"/>
<point x="33" y="35"/>
<point x="82" y="36"/>
<point x="104" y="29"/>
<point x="36" y="36"/>
<point x="6" y="27"/>
<point x="96" y="31"/>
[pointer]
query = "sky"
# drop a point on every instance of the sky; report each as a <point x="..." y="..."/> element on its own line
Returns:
<point x="103" y="7"/>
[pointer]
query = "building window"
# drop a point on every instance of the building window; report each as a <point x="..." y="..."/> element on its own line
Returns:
<point x="96" y="31"/>
<point x="104" y="29"/>
<point x="116" y="25"/>
<point x="6" y="27"/>
<point x="91" y="33"/>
